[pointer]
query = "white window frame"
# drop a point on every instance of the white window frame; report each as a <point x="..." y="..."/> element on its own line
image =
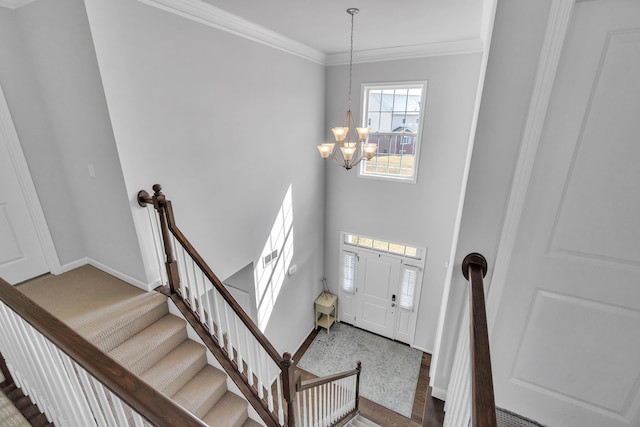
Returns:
<point x="365" y="88"/>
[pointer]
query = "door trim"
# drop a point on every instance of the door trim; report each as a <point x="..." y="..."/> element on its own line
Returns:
<point x="557" y="25"/>
<point x="21" y="168"/>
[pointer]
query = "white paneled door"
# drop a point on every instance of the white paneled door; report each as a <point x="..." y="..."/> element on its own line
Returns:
<point x="566" y="341"/>
<point x="378" y="283"/>
<point x="21" y="254"/>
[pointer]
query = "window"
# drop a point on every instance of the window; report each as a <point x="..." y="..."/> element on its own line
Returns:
<point x="382" y="246"/>
<point x="393" y="113"/>
<point x="348" y="272"/>
<point x="408" y="288"/>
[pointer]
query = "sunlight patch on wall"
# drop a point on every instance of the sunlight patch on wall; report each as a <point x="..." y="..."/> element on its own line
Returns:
<point x="275" y="259"/>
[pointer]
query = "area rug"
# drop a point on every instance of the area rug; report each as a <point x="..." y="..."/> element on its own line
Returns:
<point x="389" y="369"/>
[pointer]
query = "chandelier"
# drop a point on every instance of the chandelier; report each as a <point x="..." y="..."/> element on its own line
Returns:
<point x="353" y="147"/>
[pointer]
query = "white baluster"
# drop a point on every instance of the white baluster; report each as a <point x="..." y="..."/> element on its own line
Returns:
<point x="269" y="387"/>
<point x="299" y="410"/>
<point x="119" y="410"/>
<point x="90" y="392"/>
<point x="279" y="399"/>
<point x="237" y="341"/>
<point x="138" y="420"/>
<point x="310" y="397"/>
<point x="249" y="344"/>
<point x="260" y="370"/>
<point x="104" y="403"/>
<point x="216" y="304"/>
<point x="155" y="231"/>
<point x="207" y="303"/>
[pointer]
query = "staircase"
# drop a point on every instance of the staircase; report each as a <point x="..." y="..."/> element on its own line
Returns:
<point x="145" y="338"/>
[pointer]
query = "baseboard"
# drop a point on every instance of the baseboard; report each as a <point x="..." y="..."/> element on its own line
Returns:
<point x="313" y="326"/>
<point x="439" y="393"/>
<point x="75" y="264"/>
<point x="424" y="350"/>
<point x="112" y="271"/>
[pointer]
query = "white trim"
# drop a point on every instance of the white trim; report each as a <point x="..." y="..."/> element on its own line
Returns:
<point x="21" y="167"/>
<point x="113" y="272"/>
<point x="557" y="25"/>
<point x="207" y="14"/>
<point x="488" y="23"/>
<point x="439" y="393"/>
<point x="455" y="47"/>
<point x="365" y="88"/>
<point x="422" y="349"/>
<point x="14" y="4"/>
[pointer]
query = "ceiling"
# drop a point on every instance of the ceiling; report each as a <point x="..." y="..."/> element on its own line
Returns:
<point x="381" y="24"/>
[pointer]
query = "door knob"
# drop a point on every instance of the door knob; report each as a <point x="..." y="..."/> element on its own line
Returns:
<point x="393" y="304"/>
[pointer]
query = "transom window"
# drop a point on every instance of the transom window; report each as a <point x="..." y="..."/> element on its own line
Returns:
<point x="393" y="113"/>
<point x="382" y="246"/>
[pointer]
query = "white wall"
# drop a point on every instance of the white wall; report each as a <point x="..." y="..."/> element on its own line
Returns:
<point x="517" y="38"/>
<point x="225" y="125"/>
<point x="421" y="214"/>
<point x="32" y="122"/>
<point x="88" y="216"/>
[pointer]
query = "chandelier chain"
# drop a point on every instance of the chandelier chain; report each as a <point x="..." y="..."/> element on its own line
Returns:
<point x="352" y="13"/>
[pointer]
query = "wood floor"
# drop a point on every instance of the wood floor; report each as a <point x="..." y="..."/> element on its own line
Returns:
<point x="427" y="411"/>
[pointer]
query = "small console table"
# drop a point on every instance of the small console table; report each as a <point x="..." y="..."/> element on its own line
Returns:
<point x="326" y="306"/>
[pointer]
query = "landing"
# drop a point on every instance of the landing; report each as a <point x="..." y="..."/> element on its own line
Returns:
<point x="77" y="292"/>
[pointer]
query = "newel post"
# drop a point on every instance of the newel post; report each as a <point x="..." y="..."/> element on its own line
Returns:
<point x="160" y="204"/>
<point x="288" y="384"/>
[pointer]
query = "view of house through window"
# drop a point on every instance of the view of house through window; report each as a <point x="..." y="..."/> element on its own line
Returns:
<point x="393" y="113"/>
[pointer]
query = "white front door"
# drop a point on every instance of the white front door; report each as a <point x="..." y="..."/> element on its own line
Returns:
<point x="377" y="283"/>
<point x="21" y="255"/>
<point x="566" y="341"/>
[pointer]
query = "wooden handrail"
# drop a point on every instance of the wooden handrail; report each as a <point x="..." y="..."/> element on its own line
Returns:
<point x="315" y="382"/>
<point x="140" y="396"/>
<point x="474" y="268"/>
<point x="168" y="224"/>
<point x="164" y="206"/>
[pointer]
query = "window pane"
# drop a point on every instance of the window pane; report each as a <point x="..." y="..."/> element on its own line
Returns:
<point x="348" y="272"/>
<point x="351" y="239"/>
<point x="393" y="116"/>
<point x="365" y="242"/>
<point x="395" y="248"/>
<point x="408" y="289"/>
<point x="380" y="245"/>
<point x="412" y="252"/>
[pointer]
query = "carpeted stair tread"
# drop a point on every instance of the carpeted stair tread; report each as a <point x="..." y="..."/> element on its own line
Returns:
<point x="175" y="369"/>
<point x="229" y="411"/>
<point x="147" y="347"/>
<point x="110" y="326"/>
<point x="203" y="391"/>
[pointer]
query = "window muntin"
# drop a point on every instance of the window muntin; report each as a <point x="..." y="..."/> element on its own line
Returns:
<point x="393" y="113"/>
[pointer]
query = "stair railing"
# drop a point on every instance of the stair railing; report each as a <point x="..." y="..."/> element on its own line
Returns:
<point x="264" y="376"/>
<point x="70" y="380"/>
<point x="471" y="393"/>
<point x="328" y="400"/>
<point x="266" y="379"/>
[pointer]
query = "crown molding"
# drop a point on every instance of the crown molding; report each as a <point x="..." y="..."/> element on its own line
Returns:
<point x="207" y="14"/>
<point x="14" y="4"/>
<point x="455" y="47"/>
